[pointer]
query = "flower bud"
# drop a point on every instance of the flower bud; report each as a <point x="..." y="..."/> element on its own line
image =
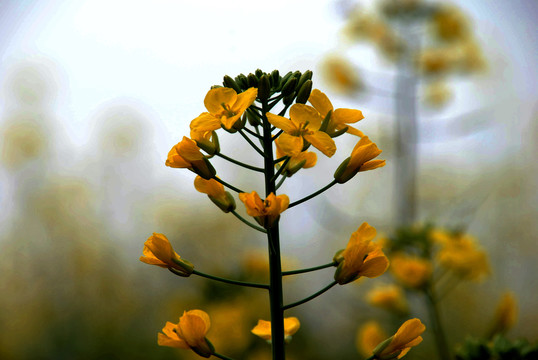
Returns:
<point x="288" y="99"/>
<point x="284" y="80"/>
<point x="252" y="80"/>
<point x="230" y="83"/>
<point x="307" y="75"/>
<point x="289" y="86"/>
<point x="253" y="120"/>
<point x="264" y="88"/>
<point x="226" y="203"/>
<point x="275" y="78"/>
<point x="242" y="81"/>
<point x="304" y="92"/>
<point x="259" y="73"/>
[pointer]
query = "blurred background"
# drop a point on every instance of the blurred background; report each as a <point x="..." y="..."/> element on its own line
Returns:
<point x="95" y="93"/>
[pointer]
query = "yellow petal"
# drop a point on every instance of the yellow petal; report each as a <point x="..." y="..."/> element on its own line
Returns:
<point x="253" y="203"/>
<point x="210" y="187"/>
<point x="244" y="100"/>
<point x="290" y="145"/>
<point x="205" y="122"/>
<point x="291" y="325"/>
<point x="374" y="265"/>
<point x="262" y="329"/>
<point x="346" y="116"/>
<point x="371" y="165"/>
<point x="174" y="160"/>
<point x="322" y="141"/>
<point x="188" y="150"/>
<point x="193" y="327"/>
<point x="160" y="247"/>
<point x="216" y="97"/>
<point x="301" y="114"/>
<point x="320" y="102"/>
<point x="408" y="332"/>
<point x="164" y="340"/>
<point x="282" y="123"/>
<point x="351" y="130"/>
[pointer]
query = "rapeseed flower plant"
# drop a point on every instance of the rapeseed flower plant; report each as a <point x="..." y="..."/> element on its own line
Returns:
<point x="243" y="106"/>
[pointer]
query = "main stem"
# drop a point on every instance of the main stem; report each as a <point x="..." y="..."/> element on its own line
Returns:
<point x="438" y="330"/>
<point x="406" y="134"/>
<point x="273" y="237"/>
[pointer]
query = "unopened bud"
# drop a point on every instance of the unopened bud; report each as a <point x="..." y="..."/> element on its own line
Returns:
<point x="275" y="78"/>
<point x="264" y="88"/>
<point x="259" y="73"/>
<point x="230" y="83"/>
<point x="284" y="80"/>
<point x="288" y="99"/>
<point x="242" y="81"/>
<point x="252" y="80"/>
<point x="289" y="86"/>
<point x="307" y="75"/>
<point x="304" y="92"/>
<point x="226" y="204"/>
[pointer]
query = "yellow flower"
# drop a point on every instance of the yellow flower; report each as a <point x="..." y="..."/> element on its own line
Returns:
<point x="189" y="333"/>
<point x="341" y="75"/>
<point x="505" y="314"/>
<point x="360" y="257"/>
<point x="215" y="191"/>
<point x="407" y="336"/>
<point x="437" y="60"/>
<point x="411" y="271"/>
<point x="460" y="253"/>
<point x="263" y="328"/>
<point x="158" y="251"/>
<point x="303" y="160"/>
<point x="225" y="107"/>
<point x="303" y="125"/>
<point x="339" y="117"/>
<point x="369" y="335"/>
<point x="265" y="212"/>
<point x="389" y="297"/>
<point x="360" y="160"/>
<point x="186" y="154"/>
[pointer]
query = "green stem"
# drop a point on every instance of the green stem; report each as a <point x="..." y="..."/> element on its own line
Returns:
<point x="437" y="326"/>
<point x="280" y="159"/>
<point x="284" y="177"/>
<point x="282" y="167"/>
<point x="301" y="271"/>
<point x="313" y="194"/>
<point x="237" y="162"/>
<point x="253" y="133"/>
<point x="276" y="136"/>
<point x="313" y="296"/>
<point x="273" y="237"/>
<point x="229" y="281"/>
<point x="237" y="190"/>
<point x="254" y="146"/>
<point x="223" y="357"/>
<point x="248" y="222"/>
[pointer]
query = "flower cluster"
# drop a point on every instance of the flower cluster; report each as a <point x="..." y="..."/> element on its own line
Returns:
<point x="246" y="105"/>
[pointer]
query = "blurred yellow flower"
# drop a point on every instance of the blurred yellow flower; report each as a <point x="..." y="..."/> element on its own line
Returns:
<point x="360" y="160"/>
<point x="263" y="328"/>
<point x="437" y="93"/>
<point x="189" y="333"/>
<point x="389" y="297"/>
<point x="505" y="315"/>
<point x="339" y="117"/>
<point x="225" y="107"/>
<point x="21" y="142"/>
<point x="303" y="125"/>
<point x="303" y="160"/>
<point x="369" y="335"/>
<point x="265" y="212"/>
<point x="407" y="336"/>
<point x="449" y="24"/>
<point x="186" y="154"/>
<point x="411" y="271"/>
<point x="340" y="75"/>
<point x="436" y="60"/>
<point x="460" y="253"/>
<point x="215" y="191"/>
<point x="470" y="57"/>
<point x="158" y="251"/>
<point x="360" y="257"/>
